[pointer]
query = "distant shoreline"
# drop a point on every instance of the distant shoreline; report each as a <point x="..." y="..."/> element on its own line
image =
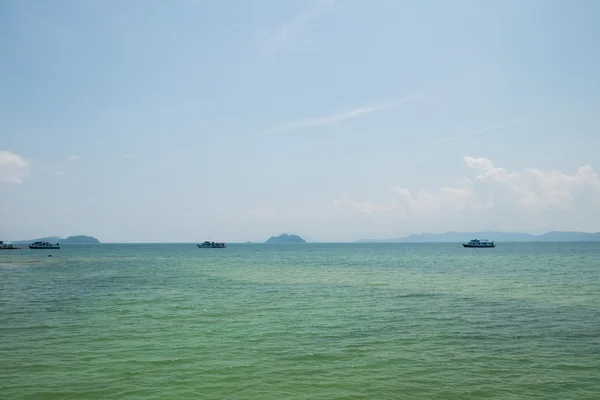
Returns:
<point x="358" y="243"/>
<point x="447" y="237"/>
<point x="452" y="237"/>
<point x="78" y="239"/>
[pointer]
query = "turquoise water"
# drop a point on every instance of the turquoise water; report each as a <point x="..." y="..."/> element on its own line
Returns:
<point x="327" y="321"/>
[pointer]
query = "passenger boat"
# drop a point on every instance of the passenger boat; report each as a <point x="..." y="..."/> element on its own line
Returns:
<point x="211" y="245"/>
<point x="479" y="243"/>
<point x="44" y="245"/>
<point x="8" y="246"/>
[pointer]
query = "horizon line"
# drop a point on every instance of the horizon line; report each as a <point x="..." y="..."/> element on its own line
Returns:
<point x="326" y="241"/>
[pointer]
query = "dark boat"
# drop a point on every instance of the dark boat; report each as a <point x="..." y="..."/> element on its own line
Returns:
<point x="479" y="243"/>
<point x="211" y="245"/>
<point x="44" y="245"/>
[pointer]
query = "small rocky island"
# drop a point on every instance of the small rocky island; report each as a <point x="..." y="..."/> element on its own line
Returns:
<point x="285" y="238"/>
<point x="80" y="239"/>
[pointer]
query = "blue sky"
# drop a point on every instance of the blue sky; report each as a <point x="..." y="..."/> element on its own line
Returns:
<point x="339" y="120"/>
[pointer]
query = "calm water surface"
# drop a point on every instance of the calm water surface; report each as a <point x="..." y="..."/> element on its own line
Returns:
<point x="327" y="321"/>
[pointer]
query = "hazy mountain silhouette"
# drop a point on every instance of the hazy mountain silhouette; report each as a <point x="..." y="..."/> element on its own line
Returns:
<point x="79" y="239"/>
<point x="495" y="236"/>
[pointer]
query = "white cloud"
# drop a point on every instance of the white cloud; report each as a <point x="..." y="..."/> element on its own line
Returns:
<point x="333" y="118"/>
<point x="13" y="167"/>
<point x="536" y="188"/>
<point x="437" y="142"/>
<point x="74" y="158"/>
<point x="495" y="196"/>
<point x="423" y="202"/>
<point x="286" y="30"/>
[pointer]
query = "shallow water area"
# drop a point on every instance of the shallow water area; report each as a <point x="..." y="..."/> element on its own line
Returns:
<point x="376" y="321"/>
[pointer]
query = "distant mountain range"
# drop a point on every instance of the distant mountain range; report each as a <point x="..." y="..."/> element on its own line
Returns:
<point x="79" y="239"/>
<point x="495" y="236"/>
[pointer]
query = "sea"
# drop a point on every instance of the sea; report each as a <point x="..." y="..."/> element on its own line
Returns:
<point x="301" y="321"/>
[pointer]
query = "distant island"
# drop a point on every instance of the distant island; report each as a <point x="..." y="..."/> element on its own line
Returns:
<point x="496" y="236"/>
<point x="79" y="239"/>
<point x="285" y="238"/>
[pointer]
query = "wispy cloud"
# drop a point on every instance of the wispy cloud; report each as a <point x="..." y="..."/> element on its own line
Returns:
<point x="289" y="28"/>
<point x="438" y="142"/>
<point x="333" y="118"/>
<point x="74" y="158"/>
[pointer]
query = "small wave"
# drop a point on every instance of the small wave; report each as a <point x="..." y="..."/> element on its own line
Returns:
<point x="409" y="295"/>
<point x="376" y="284"/>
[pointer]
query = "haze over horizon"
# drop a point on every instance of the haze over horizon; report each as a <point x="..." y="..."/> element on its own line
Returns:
<point x="339" y="120"/>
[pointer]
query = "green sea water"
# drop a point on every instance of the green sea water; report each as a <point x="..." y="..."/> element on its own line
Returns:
<point x="311" y="321"/>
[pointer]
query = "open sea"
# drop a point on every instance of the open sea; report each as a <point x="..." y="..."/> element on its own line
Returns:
<point x="309" y="321"/>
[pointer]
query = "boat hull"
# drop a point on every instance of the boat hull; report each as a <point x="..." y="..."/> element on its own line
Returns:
<point x="491" y="246"/>
<point x="204" y="246"/>
<point x="8" y="246"/>
<point x="44" y="247"/>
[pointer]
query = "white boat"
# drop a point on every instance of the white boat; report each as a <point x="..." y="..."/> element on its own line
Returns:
<point x="8" y="246"/>
<point x="479" y="243"/>
<point x="211" y="245"/>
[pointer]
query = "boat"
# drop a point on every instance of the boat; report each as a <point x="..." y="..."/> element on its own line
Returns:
<point x="211" y="245"/>
<point x="479" y="243"/>
<point x="8" y="246"/>
<point x="44" y="245"/>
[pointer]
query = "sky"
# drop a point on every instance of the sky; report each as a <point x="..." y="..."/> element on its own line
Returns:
<point x="182" y="121"/>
